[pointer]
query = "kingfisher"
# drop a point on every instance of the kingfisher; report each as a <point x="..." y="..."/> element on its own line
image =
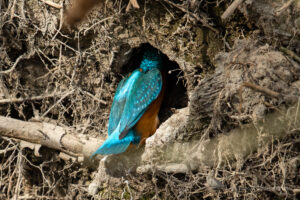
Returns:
<point x="134" y="111"/>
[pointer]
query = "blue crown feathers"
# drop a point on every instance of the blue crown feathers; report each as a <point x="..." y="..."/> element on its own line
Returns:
<point x="152" y="59"/>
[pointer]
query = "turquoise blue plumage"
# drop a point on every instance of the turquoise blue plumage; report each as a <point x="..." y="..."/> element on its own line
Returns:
<point x="133" y="96"/>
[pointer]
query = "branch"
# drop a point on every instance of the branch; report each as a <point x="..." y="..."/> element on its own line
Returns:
<point x="49" y="135"/>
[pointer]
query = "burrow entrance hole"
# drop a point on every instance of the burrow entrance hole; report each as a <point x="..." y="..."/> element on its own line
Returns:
<point x="175" y="94"/>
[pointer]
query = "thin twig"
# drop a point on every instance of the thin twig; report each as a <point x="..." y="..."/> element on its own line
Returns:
<point x="62" y="98"/>
<point x="93" y="97"/>
<point x="273" y="107"/>
<point x="22" y="10"/>
<point x="20" y="164"/>
<point x="12" y="12"/>
<point x="228" y="12"/>
<point x="51" y="3"/>
<point x="289" y="98"/>
<point x="261" y="89"/>
<point x="3" y="89"/>
<point x="97" y="23"/>
<point x="69" y="47"/>
<point x="132" y="3"/>
<point x="284" y="7"/>
<point x="19" y="100"/>
<point x="15" y="64"/>
<point x="7" y="149"/>
<point x="297" y="111"/>
<point x="256" y="88"/>
<point x="60" y="22"/>
<point x="290" y="53"/>
<point x="202" y="20"/>
<point x="11" y="177"/>
<point x="23" y="56"/>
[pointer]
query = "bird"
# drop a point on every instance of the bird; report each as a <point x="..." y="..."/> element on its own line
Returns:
<point x="137" y="101"/>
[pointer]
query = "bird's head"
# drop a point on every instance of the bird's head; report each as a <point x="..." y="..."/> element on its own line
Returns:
<point x="152" y="59"/>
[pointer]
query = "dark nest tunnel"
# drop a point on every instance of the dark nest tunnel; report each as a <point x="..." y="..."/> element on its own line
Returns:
<point x="175" y="96"/>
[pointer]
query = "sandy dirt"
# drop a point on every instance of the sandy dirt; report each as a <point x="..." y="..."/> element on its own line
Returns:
<point x="229" y="122"/>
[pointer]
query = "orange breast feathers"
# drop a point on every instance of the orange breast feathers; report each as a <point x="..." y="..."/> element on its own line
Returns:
<point x="148" y="123"/>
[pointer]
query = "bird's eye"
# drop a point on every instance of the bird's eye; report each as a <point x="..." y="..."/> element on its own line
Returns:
<point x="141" y="70"/>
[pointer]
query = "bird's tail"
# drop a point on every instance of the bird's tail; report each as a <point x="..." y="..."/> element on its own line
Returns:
<point x="114" y="145"/>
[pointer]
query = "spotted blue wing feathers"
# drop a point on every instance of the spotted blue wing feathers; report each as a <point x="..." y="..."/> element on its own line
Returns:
<point x="145" y="90"/>
<point x="133" y="96"/>
<point x="116" y="109"/>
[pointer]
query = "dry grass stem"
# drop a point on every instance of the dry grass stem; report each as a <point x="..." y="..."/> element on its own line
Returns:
<point x="51" y="3"/>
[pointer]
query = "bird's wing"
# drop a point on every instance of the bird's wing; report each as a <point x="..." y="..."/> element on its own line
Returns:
<point x="142" y="93"/>
<point x="116" y="108"/>
<point x="133" y="96"/>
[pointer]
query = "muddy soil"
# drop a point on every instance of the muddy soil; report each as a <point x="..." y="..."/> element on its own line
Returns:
<point x="229" y="123"/>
